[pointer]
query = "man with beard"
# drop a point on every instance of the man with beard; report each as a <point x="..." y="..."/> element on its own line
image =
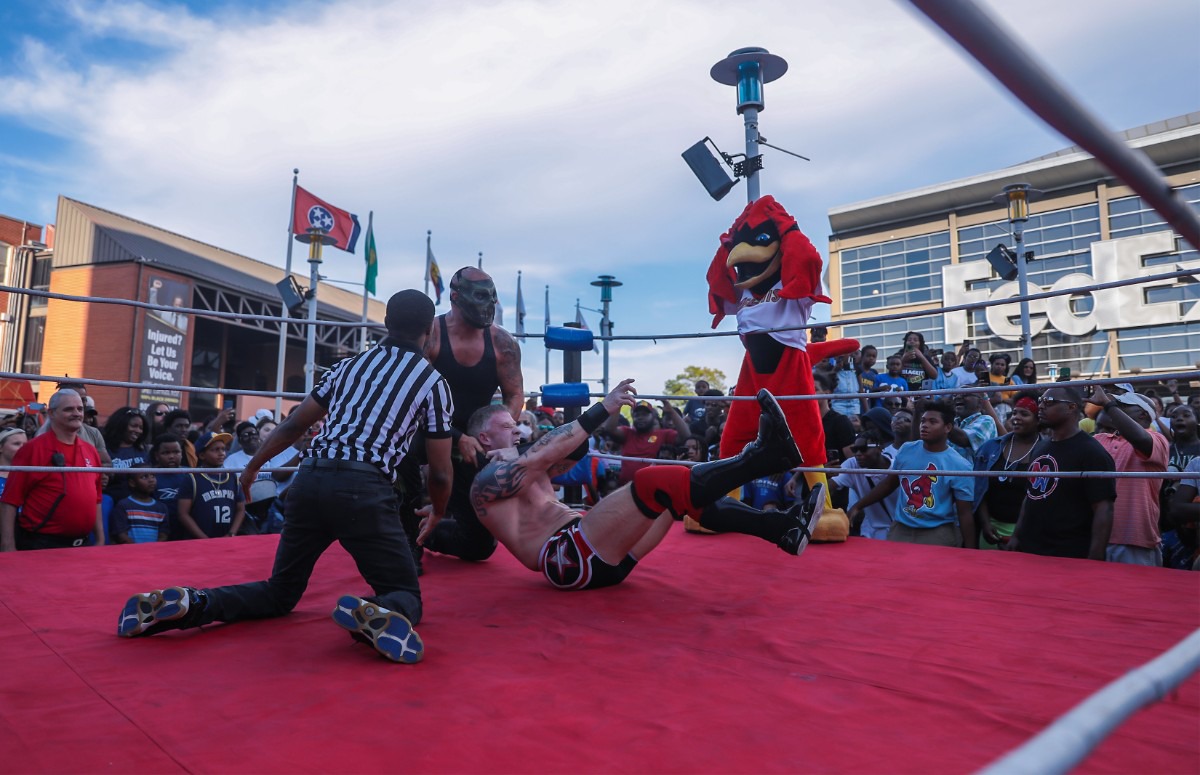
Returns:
<point x="645" y="437"/>
<point x="1063" y="517"/>
<point x="475" y="357"/>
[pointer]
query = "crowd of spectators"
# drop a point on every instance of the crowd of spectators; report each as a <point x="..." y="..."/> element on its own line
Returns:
<point x="139" y="506"/>
<point x="1012" y="420"/>
<point x="994" y="416"/>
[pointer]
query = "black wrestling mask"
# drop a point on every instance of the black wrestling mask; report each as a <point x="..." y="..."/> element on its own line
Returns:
<point x="476" y="300"/>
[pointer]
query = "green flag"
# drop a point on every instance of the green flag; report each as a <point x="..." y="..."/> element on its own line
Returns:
<point x="372" y="259"/>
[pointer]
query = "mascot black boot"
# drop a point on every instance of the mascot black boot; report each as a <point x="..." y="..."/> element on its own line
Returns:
<point x="684" y="491"/>
<point x="790" y="530"/>
<point x="772" y="452"/>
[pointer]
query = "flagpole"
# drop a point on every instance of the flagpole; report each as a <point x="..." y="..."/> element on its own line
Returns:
<point x="362" y="336"/>
<point x="546" y="331"/>
<point x="520" y="309"/>
<point x="281" y="361"/>
<point x="428" y="253"/>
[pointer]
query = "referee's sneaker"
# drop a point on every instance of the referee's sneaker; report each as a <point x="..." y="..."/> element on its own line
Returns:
<point x="372" y="403"/>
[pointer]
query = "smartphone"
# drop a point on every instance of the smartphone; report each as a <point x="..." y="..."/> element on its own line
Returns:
<point x="1064" y="374"/>
<point x="230" y="403"/>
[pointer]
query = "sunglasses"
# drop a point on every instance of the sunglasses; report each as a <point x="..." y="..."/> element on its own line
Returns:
<point x="160" y="414"/>
<point x="857" y="448"/>
<point x="1045" y="400"/>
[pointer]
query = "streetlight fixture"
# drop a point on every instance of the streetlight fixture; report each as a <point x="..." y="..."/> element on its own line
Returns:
<point x="748" y="69"/>
<point x="1017" y="197"/>
<point x="606" y="283"/>
<point x="316" y="239"/>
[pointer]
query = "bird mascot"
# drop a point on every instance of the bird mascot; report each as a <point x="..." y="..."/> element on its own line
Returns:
<point x="768" y="274"/>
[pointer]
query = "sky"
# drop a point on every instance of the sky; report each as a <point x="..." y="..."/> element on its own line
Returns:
<point x="546" y="135"/>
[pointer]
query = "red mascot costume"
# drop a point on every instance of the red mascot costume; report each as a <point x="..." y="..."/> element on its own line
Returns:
<point x="768" y="274"/>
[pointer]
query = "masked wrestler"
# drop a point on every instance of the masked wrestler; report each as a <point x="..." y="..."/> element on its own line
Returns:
<point x="476" y="357"/>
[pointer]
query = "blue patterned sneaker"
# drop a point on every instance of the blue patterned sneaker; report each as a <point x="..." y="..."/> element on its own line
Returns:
<point x="805" y="515"/>
<point x="162" y="609"/>
<point x="387" y="631"/>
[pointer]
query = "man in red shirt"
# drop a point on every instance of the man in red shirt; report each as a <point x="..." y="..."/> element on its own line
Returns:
<point x="58" y="509"/>
<point x="646" y="437"/>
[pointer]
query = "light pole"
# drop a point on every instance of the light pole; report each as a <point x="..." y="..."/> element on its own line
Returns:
<point x="1017" y="197"/>
<point x="606" y="283"/>
<point x="748" y="69"/>
<point x="316" y="239"/>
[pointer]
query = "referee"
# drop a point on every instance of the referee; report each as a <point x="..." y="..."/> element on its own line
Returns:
<point x="375" y="402"/>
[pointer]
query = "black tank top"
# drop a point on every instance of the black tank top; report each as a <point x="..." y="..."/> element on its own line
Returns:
<point x="471" y="386"/>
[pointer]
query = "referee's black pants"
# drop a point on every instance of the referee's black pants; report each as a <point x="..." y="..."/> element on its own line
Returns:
<point x="331" y="500"/>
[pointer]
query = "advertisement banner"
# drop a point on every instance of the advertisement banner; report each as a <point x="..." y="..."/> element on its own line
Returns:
<point x="164" y="344"/>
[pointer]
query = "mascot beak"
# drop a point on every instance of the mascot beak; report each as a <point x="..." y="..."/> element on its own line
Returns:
<point x="753" y="263"/>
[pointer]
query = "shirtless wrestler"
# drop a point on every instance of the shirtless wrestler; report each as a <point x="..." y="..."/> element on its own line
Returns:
<point x="514" y="498"/>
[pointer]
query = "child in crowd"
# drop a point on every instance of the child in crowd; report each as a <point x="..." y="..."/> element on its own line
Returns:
<point x="866" y="371"/>
<point x="167" y="452"/>
<point x="211" y="505"/>
<point x="140" y="517"/>
<point x="893" y="381"/>
<point x="933" y="508"/>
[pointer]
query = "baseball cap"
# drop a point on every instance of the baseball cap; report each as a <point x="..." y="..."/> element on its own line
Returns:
<point x="878" y="422"/>
<point x="1133" y="399"/>
<point x="649" y="407"/>
<point x="208" y="438"/>
<point x="263" y="414"/>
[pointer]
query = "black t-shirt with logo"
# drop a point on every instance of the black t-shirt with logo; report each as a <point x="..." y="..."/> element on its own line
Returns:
<point x="1058" y="511"/>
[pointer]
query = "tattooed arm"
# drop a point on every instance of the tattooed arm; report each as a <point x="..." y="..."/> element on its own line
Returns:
<point x="508" y="369"/>
<point x="498" y="481"/>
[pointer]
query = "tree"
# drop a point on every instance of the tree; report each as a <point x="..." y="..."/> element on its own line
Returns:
<point x="684" y="383"/>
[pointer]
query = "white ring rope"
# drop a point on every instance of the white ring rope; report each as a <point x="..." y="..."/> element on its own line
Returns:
<point x="919" y="472"/>
<point x="1063" y="745"/>
<point x="1174" y="275"/>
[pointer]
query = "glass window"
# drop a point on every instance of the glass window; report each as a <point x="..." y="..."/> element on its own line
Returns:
<point x="893" y="264"/>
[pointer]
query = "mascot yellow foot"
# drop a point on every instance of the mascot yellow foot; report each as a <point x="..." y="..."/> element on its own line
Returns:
<point x="834" y="526"/>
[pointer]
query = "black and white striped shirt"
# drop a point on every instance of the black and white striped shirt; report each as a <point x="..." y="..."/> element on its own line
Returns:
<point x="376" y="401"/>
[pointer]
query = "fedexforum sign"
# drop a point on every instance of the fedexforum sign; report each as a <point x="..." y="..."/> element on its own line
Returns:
<point x="1112" y="309"/>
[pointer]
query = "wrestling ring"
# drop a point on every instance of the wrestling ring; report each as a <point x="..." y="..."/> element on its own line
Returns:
<point x="715" y="655"/>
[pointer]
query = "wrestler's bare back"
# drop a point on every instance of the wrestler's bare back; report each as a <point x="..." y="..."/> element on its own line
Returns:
<point x="518" y="506"/>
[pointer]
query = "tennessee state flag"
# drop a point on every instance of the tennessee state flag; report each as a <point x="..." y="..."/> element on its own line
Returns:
<point x="312" y="212"/>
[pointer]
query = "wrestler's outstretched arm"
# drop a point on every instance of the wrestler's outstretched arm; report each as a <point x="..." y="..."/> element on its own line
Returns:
<point x="556" y="445"/>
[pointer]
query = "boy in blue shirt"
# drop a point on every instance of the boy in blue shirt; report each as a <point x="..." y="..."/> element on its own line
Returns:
<point x="139" y="518"/>
<point x="892" y="381"/>
<point x="933" y="508"/>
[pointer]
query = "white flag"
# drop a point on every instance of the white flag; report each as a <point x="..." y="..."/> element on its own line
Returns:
<point x="579" y="321"/>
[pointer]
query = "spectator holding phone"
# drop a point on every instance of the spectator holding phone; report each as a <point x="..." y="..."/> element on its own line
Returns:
<point x="916" y="362"/>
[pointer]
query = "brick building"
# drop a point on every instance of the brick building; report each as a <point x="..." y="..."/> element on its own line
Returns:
<point x="20" y="242"/>
<point x="99" y="253"/>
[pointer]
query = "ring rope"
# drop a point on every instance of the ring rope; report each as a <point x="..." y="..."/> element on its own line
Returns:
<point x="919" y="472"/>
<point x="1177" y="274"/>
<point x="1162" y="377"/>
<point x="1064" y="744"/>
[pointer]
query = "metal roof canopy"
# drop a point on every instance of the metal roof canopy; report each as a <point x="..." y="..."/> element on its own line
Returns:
<point x="1063" y="169"/>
